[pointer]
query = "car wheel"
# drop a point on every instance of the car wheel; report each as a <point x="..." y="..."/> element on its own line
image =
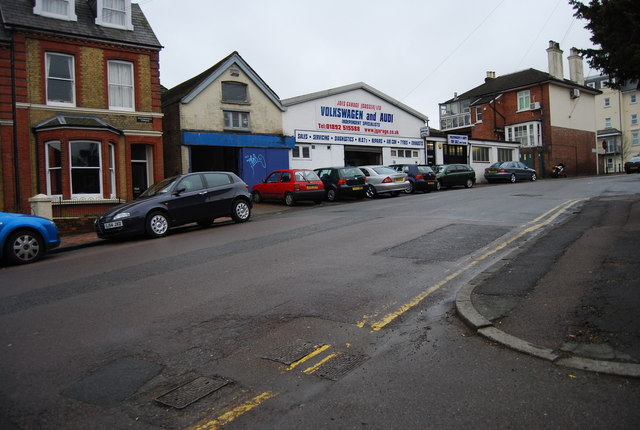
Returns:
<point x="468" y="183"/>
<point x="288" y="199"/>
<point x="533" y="177"/>
<point x="371" y="191"/>
<point x="512" y="179"/>
<point x="205" y="222"/>
<point x="24" y="246"/>
<point x="157" y="225"/>
<point x="240" y="211"/>
<point x="410" y="189"/>
<point x="257" y="198"/>
<point x="332" y="195"/>
<point x="438" y="185"/>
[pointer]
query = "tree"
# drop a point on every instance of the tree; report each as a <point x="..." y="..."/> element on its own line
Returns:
<point x="615" y="27"/>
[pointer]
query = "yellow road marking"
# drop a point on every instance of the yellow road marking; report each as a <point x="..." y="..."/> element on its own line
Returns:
<point x="234" y="413"/>
<point x="308" y="356"/>
<point x="315" y="367"/>
<point x="376" y="326"/>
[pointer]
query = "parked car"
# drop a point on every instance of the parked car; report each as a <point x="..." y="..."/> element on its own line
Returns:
<point x="291" y="186"/>
<point x="342" y="181"/>
<point x="633" y="165"/>
<point x="421" y="178"/>
<point x="384" y="180"/>
<point x="194" y="197"/>
<point x="448" y="175"/>
<point x="509" y="171"/>
<point x="26" y="238"/>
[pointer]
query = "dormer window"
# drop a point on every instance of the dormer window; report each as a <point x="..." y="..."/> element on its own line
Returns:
<point x="59" y="9"/>
<point x="114" y="13"/>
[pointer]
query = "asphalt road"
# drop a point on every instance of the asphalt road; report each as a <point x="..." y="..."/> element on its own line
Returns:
<point x="337" y="316"/>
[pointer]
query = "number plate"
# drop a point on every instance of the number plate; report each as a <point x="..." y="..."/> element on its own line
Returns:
<point x="357" y="188"/>
<point x="431" y="183"/>
<point x="493" y="171"/>
<point x="399" y="179"/>
<point x="115" y="224"/>
<point x="312" y="187"/>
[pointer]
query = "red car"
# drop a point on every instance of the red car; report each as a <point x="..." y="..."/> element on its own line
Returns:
<point x="291" y="185"/>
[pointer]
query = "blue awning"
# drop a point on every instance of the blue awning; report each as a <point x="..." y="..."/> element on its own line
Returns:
<point x="204" y="138"/>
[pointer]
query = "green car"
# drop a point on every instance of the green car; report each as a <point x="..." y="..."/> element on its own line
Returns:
<point x="448" y="175"/>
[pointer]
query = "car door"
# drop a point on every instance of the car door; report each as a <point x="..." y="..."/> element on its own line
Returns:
<point x="270" y="186"/>
<point x="188" y="202"/>
<point x="220" y="194"/>
<point x="284" y="184"/>
<point x="523" y="171"/>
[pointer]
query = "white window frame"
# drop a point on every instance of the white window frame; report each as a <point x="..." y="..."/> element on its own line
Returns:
<point x="230" y="120"/>
<point x="531" y="137"/>
<point x="72" y="79"/>
<point x="634" y="119"/>
<point x="483" y="150"/>
<point x="88" y="196"/>
<point x="298" y="152"/>
<point x="607" y="123"/>
<point x="50" y="169"/>
<point x="40" y="9"/>
<point x="524" y="100"/>
<point x="607" y="102"/>
<point x="102" y="8"/>
<point x="121" y="86"/>
<point x="633" y="99"/>
<point x="478" y="114"/>
<point x="635" y="139"/>
<point x="112" y="170"/>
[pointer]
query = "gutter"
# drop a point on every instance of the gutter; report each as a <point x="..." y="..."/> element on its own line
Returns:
<point x="14" y="113"/>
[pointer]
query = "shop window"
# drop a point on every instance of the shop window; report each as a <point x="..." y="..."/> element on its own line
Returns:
<point x="59" y="9"/>
<point x="234" y="92"/>
<point x="524" y="100"/>
<point x="480" y="154"/>
<point x="60" y="79"/>
<point x="505" y="154"/>
<point x="301" y="151"/>
<point x="114" y="13"/>
<point x="53" y="161"/>
<point x="394" y="153"/>
<point x="234" y="120"/>
<point x="121" y="85"/>
<point x="85" y="169"/>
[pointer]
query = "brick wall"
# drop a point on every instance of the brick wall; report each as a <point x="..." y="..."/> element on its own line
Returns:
<point x="574" y="149"/>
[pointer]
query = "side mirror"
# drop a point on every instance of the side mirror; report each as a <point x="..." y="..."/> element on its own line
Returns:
<point x="179" y="191"/>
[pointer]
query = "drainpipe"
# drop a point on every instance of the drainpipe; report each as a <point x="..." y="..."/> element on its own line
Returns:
<point x="14" y="109"/>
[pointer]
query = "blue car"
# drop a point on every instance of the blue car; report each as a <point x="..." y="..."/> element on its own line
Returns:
<point x="26" y="238"/>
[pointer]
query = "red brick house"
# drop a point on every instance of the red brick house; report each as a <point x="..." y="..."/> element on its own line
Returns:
<point x="552" y="118"/>
<point x="80" y="116"/>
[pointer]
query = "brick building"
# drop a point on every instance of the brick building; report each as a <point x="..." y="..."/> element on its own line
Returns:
<point x="80" y="116"/>
<point x="552" y="118"/>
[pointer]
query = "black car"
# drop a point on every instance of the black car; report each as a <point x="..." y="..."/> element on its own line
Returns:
<point x="448" y="175"/>
<point x="511" y="171"/>
<point x="342" y="181"/>
<point x="633" y="165"/>
<point x="422" y="178"/>
<point x="194" y="197"/>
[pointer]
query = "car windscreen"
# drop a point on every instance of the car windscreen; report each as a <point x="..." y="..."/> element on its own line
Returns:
<point x="159" y="187"/>
<point x="306" y="175"/>
<point x="384" y="171"/>
<point x="350" y="172"/>
<point x="497" y="165"/>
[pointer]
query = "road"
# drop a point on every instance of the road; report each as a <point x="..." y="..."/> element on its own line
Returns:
<point x="337" y="316"/>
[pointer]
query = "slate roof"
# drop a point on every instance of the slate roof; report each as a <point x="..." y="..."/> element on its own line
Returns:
<point x="19" y="14"/>
<point x="526" y="78"/>
<point x="188" y="89"/>
<point x="357" y="86"/>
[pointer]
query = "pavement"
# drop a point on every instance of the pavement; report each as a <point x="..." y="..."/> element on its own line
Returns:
<point x="571" y="296"/>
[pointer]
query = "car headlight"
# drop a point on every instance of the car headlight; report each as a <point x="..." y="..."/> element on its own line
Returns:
<point x="122" y="215"/>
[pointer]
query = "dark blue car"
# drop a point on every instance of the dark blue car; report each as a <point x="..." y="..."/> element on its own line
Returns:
<point x="26" y="238"/>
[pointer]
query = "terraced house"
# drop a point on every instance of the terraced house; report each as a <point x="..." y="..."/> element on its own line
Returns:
<point x="80" y="116"/>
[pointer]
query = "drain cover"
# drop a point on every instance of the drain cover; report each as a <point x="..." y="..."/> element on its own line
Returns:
<point x="190" y="392"/>
<point x="339" y="366"/>
<point x="291" y="353"/>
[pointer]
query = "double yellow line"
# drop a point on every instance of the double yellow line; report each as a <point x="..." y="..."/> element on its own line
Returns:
<point x="533" y="225"/>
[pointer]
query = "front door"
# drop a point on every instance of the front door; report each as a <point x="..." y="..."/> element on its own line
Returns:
<point x="139" y="169"/>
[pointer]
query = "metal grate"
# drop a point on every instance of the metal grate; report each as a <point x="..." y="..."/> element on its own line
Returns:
<point x="186" y="394"/>
<point x="291" y="353"/>
<point x="340" y="365"/>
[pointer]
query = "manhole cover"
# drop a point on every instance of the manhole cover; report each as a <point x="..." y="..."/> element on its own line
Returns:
<point x="190" y="392"/>
<point x="291" y="353"/>
<point x="339" y="366"/>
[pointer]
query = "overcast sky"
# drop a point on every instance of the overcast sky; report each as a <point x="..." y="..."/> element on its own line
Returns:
<point x="417" y="51"/>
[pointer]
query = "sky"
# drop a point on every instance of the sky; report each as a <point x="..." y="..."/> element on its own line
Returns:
<point x="419" y="52"/>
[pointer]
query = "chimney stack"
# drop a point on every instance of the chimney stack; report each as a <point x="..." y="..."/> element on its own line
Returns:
<point x="576" y="68"/>
<point x="490" y="75"/>
<point x="555" y="60"/>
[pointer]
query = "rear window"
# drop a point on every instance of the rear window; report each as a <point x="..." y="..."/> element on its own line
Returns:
<point x="350" y="172"/>
<point x="634" y="159"/>
<point x="384" y="170"/>
<point x="424" y="169"/>
<point x="306" y="175"/>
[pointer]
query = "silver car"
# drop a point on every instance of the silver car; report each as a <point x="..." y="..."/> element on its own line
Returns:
<point x="382" y="179"/>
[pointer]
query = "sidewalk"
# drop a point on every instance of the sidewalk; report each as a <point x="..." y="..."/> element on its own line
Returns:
<point x="572" y="297"/>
